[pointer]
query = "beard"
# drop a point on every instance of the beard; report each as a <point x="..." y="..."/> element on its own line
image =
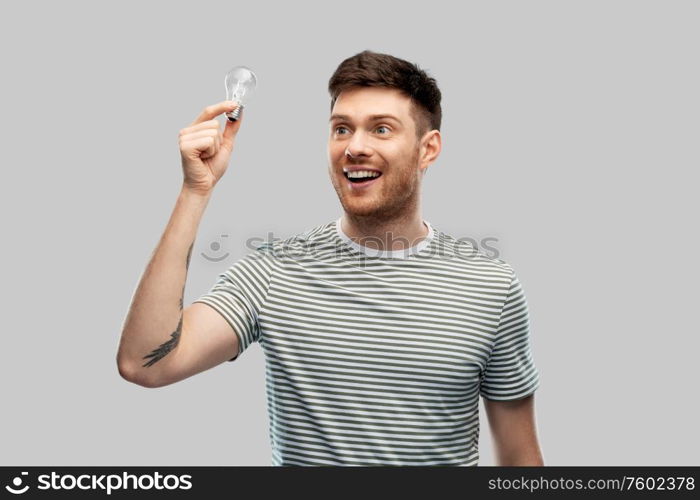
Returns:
<point x="395" y="194"/>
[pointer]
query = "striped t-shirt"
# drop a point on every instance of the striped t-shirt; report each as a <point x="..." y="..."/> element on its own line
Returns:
<point x="378" y="358"/>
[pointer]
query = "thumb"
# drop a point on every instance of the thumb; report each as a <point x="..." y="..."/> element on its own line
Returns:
<point x="231" y="128"/>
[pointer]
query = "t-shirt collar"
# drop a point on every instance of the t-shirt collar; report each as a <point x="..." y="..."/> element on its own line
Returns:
<point x="373" y="252"/>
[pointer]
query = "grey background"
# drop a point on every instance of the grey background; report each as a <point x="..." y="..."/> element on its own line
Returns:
<point x="570" y="134"/>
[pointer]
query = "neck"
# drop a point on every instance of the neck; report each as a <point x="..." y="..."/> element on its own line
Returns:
<point x="398" y="233"/>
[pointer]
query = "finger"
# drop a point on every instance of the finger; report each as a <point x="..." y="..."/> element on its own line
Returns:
<point x="208" y="153"/>
<point x="203" y="133"/>
<point x="231" y="129"/>
<point x="198" y="147"/>
<point x="209" y="124"/>
<point x="214" y="110"/>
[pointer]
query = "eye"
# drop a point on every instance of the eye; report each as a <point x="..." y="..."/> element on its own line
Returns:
<point x="338" y="128"/>
<point x="383" y="126"/>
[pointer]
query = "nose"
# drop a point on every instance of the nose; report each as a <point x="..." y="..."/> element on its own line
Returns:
<point x="357" y="147"/>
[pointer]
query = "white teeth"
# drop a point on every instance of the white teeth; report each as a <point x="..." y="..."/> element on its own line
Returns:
<point x="362" y="173"/>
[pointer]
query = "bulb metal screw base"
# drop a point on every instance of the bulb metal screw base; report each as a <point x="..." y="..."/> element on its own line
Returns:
<point x="233" y="115"/>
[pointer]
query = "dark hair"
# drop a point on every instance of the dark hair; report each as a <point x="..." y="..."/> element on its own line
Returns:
<point x="372" y="69"/>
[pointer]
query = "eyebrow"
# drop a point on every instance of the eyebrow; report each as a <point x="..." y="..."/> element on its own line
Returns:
<point x="371" y="117"/>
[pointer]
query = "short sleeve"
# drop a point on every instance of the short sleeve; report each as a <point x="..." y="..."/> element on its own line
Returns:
<point x="239" y="294"/>
<point x="510" y="372"/>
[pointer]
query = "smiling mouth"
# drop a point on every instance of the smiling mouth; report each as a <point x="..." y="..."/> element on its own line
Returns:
<point x="361" y="180"/>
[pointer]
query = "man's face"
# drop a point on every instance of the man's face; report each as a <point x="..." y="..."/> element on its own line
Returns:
<point x="387" y="144"/>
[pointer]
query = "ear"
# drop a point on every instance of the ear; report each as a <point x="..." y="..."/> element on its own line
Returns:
<point x="431" y="145"/>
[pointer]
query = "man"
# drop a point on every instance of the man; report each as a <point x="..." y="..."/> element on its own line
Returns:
<point x="379" y="330"/>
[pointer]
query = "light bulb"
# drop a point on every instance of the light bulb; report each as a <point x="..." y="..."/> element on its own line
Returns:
<point x="240" y="85"/>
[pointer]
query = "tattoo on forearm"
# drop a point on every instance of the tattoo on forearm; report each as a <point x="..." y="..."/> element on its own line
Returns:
<point x="165" y="347"/>
<point x="189" y="254"/>
<point x="187" y="267"/>
<point x="168" y="346"/>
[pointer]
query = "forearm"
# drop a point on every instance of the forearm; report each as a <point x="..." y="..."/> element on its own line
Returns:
<point x="153" y="323"/>
<point x="529" y="456"/>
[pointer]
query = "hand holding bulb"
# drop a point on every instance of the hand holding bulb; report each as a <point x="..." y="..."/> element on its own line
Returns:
<point x="204" y="150"/>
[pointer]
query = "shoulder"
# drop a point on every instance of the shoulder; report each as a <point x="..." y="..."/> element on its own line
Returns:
<point x="470" y="258"/>
<point x="311" y="237"/>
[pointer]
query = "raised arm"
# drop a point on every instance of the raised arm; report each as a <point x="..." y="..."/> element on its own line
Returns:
<point x="160" y="342"/>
